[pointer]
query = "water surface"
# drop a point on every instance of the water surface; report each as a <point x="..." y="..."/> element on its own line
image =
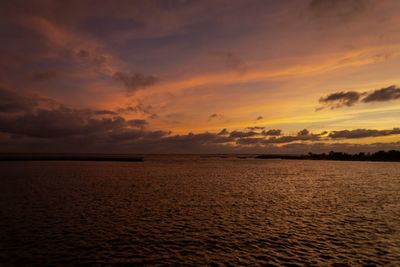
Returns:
<point x="200" y="211"/>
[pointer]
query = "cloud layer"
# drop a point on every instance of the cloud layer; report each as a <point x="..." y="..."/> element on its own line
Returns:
<point x="27" y="122"/>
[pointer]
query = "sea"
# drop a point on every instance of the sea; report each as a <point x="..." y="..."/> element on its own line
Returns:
<point x="194" y="210"/>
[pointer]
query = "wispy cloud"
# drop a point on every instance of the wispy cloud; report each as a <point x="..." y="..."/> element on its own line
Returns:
<point x="216" y="116"/>
<point x="350" y="98"/>
<point x="135" y="81"/>
<point x="362" y="133"/>
<point x="384" y="94"/>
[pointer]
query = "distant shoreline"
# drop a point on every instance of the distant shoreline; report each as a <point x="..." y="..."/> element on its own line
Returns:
<point x="383" y="156"/>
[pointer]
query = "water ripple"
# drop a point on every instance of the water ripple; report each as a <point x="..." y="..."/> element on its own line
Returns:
<point x="194" y="211"/>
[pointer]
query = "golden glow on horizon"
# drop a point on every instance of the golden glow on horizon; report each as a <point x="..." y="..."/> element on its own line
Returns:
<point x="187" y="70"/>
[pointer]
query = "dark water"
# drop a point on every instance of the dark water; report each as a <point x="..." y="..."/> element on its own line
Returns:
<point x="200" y="211"/>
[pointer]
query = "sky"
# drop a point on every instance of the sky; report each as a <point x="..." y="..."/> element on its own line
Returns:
<point x="199" y="76"/>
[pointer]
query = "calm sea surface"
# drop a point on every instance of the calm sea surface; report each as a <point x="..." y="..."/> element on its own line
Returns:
<point x="200" y="211"/>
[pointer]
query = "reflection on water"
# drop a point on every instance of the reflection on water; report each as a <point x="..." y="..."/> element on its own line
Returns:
<point x="199" y="211"/>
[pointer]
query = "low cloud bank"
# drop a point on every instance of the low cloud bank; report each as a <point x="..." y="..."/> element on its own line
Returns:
<point x="36" y="124"/>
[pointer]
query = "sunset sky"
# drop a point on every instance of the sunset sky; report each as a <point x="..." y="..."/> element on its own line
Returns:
<point x="199" y="76"/>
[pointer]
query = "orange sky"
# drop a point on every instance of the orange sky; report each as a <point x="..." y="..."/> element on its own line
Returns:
<point x="183" y="67"/>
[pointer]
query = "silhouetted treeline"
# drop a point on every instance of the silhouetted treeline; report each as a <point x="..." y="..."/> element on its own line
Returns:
<point x="392" y="155"/>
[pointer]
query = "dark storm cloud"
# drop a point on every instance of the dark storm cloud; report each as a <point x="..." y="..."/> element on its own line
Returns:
<point x="57" y="123"/>
<point x="135" y="81"/>
<point x="13" y="102"/>
<point x="68" y="125"/>
<point x="340" y="99"/>
<point x="272" y="132"/>
<point x="384" y="94"/>
<point x="23" y="116"/>
<point x="362" y="133"/>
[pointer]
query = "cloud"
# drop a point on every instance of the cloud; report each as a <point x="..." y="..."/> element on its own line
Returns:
<point x="291" y="138"/>
<point x="104" y="112"/>
<point x="272" y="132"/>
<point x="250" y="141"/>
<point x="255" y="128"/>
<point x="27" y="117"/>
<point x="338" y="9"/>
<point x="27" y="125"/>
<point x="137" y="123"/>
<point x="303" y="132"/>
<point x="350" y="98"/>
<point x="251" y="138"/>
<point x="223" y="132"/>
<point x="303" y="135"/>
<point x="134" y="134"/>
<point x="277" y="140"/>
<point x="201" y="138"/>
<point x="274" y="137"/>
<point x="13" y="102"/>
<point x="233" y="61"/>
<point x="139" y="107"/>
<point x="64" y="126"/>
<point x="216" y="116"/>
<point x="56" y="123"/>
<point x="136" y="81"/>
<point x="321" y="147"/>
<point x="259" y="118"/>
<point x="384" y="94"/>
<point x="44" y="75"/>
<point x="239" y="134"/>
<point x="362" y="133"/>
<point x="340" y="99"/>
